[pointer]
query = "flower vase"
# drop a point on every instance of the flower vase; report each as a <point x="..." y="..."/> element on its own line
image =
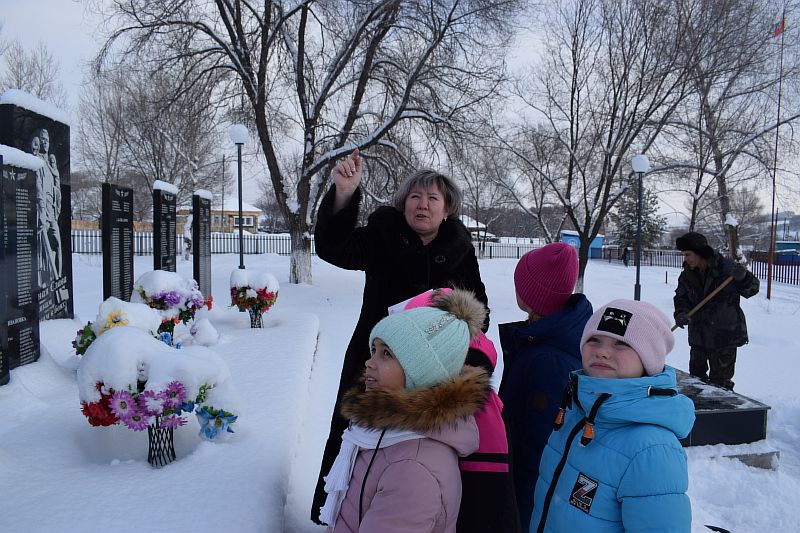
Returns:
<point x="160" y="444"/>
<point x="256" y="318"/>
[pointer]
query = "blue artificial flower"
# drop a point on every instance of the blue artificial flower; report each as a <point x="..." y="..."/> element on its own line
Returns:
<point x="166" y="338"/>
<point x="213" y="421"/>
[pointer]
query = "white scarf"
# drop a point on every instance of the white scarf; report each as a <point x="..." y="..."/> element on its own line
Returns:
<point x="354" y="439"/>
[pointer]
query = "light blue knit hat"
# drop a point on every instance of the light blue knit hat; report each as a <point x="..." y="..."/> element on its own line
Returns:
<point x="431" y="343"/>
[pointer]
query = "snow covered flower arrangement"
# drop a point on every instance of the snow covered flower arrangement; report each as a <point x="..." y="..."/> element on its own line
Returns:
<point x="129" y="377"/>
<point x="175" y="298"/>
<point x="114" y="312"/>
<point x="253" y="290"/>
<point x="141" y="408"/>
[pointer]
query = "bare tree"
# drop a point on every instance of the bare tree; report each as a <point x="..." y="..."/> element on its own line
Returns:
<point x="318" y="78"/>
<point x="728" y="125"/>
<point x="612" y="75"/>
<point x="538" y="155"/>
<point x="35" y="71"/>
<point x="480" y="169"/>
<point x="85" y="196"/>
<point x="102" y="127"/>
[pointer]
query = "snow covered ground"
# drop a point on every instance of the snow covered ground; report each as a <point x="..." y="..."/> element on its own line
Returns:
<point x="57" y="473"/>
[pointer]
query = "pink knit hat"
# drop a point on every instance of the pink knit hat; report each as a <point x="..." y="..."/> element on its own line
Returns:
<point x="640" y="325"/>
<point x="545" y="277"/>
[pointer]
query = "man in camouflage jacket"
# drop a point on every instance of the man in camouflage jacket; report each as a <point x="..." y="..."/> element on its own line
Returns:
<point x="718" y="328"/>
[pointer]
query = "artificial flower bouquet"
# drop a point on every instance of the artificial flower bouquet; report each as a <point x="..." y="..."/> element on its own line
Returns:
<point x="175" y="298"/>
<point x="112" y="313"/>
<point x="255" y="292"/>
<point x="129" y="377"/>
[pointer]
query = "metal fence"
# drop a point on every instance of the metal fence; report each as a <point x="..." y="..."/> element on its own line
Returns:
<point x="784" y="269"/>
<point x="502" y="250"/>
<point x="90" y="242"/>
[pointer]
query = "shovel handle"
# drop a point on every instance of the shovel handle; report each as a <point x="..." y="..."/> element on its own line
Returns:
<point x="705" y="300"/>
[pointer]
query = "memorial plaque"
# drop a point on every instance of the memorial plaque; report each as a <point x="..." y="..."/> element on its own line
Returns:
<point x="4" y="370"/>
<point x="43" y="133"/>
<point x="164" y="241"/>
<point x="20" y="318"/>
<point x="117" y="227"/>
<point x="201" y="242"/>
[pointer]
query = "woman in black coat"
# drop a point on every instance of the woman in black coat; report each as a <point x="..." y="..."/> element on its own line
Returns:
<point x="404" y="250"/>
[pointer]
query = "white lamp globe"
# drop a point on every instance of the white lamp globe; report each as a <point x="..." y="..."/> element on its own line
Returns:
<point x="640" y="163"/>
<point x="238" y="133"/>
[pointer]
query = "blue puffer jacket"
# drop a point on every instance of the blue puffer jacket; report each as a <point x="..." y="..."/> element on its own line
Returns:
<point x="632" y="475"/>
<point x="538" y="358"/>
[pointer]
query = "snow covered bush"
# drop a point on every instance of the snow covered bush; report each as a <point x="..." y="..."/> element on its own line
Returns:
<point x="175" y="298"/>
<point x="253" y="290"/>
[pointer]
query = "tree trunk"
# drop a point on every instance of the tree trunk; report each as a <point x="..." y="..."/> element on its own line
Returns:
<point x="300" y="265"/>
<point x="583" y="260"/>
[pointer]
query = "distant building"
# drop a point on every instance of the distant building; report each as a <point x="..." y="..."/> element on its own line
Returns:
<point x="227" y="220"/>
<point x="595" y="247"/>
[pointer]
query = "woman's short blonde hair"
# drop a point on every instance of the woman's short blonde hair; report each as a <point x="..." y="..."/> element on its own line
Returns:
<point x="425" y="178"/>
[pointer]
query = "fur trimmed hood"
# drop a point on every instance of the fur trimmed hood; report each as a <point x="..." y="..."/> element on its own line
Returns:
<point x="420" y="410"/>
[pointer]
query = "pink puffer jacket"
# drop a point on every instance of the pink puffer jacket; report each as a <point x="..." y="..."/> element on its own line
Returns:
<point x="415" y="485"/>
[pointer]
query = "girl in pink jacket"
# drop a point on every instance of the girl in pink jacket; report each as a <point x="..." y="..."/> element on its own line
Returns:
<point x="410" y="420"/>
<point x="488" y="504"/>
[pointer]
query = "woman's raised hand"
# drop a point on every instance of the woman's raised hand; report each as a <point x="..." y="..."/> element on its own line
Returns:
<point x="346" y="177"/>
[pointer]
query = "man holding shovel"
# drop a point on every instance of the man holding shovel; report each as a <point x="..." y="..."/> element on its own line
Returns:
<point x="717" y="327"/>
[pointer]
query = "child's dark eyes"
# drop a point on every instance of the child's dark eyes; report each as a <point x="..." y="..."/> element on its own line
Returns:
<point x="622" y="343"/>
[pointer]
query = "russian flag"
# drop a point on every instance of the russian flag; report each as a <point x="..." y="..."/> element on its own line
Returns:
<point x="779" y="26"/>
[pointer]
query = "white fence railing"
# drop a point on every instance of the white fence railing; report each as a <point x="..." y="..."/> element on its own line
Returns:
<point x="90" y="242"/>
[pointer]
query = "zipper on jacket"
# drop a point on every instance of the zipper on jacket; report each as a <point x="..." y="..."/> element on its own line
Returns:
<point x="557" y="473"/>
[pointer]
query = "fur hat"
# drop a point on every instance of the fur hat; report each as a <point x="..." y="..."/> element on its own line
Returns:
<point x="545" y="278"/>
<point x="431" y="343"/>
<point x="694" y="242"/>
<point x="640" y="325"/>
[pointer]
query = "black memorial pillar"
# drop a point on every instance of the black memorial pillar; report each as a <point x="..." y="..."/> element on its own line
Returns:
<point x="117" y="224"/>
<point x="201" y="240"/>
<point x="164" y="217"/>
<point x="19" y="291"/>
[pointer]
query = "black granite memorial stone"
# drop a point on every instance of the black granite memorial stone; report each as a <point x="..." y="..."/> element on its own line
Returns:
<point x="47" y="139"/>
<point x="201" y="243"/>
<point x="164" y="241"/>
<point x="20" y="310"/>
<point x="722" y="416"/>
<point x="4" y="370"/>
<point x="117" y="224"/>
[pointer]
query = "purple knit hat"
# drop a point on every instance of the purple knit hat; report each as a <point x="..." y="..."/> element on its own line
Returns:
<point x="640" y="325"/>
<point x="545" y="277"/>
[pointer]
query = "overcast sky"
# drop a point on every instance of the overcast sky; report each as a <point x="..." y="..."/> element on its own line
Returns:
<point x="67" y="27"/>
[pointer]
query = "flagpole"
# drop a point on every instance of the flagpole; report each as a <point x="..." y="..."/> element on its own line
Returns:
<point x="773" y="216"/>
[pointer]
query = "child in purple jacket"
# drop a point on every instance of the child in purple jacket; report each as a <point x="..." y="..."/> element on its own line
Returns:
<point x="410" y="419"/>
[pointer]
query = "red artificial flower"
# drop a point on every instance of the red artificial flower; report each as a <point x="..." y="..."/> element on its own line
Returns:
<point x="99" y="413"/>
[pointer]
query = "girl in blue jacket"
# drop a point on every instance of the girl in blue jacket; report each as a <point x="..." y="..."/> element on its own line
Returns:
<point x="613" y="462"/>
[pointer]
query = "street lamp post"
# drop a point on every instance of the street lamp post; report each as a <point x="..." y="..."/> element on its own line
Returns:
<point x="640" y="164"/>
<point x="238" y="135"/>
